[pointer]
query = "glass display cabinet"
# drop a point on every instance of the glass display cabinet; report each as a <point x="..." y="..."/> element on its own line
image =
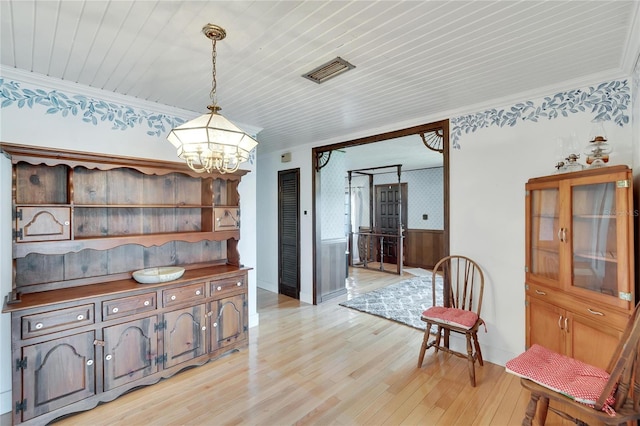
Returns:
<point x="579" y="261"/>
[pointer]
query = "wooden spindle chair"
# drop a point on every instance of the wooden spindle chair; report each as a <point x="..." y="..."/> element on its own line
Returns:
<point x="463" y="288"/>
<point x="622" y="384"/>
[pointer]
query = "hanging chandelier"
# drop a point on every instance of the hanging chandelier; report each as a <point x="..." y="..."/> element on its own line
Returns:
<point x="211" y="142"/>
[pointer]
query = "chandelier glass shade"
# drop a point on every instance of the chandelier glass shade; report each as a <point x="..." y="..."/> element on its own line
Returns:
<point x="211" y="142"/>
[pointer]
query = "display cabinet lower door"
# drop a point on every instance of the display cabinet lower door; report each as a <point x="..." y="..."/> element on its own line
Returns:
<point x="130" y="352"/>
<point x="184" y="337"/>
<point x="57" y="373"/>
<point x="228" y="321"/>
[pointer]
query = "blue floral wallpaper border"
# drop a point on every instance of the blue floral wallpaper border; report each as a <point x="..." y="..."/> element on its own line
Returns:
<point x="89" y="109"/>
<point x="608" y="101"/>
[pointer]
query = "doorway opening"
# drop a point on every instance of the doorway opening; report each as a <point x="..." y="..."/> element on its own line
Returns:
<point x="423" y="236"/>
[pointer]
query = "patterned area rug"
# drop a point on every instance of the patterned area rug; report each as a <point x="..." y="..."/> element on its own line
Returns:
<point x="403" y="302"/>
<point x="418" y="272"/>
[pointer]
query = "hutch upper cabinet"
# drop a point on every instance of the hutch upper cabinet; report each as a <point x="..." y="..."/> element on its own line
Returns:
<point x="82" y="330"/>
<point x="579" y="261"/>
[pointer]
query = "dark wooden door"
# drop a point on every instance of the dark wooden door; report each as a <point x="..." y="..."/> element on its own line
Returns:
<point x="289" y="233"/>
<point x="57" y="373"/>
<point x="130" y="351"/>
<point x="391" y="211"/>
<point x="185" y="335"/>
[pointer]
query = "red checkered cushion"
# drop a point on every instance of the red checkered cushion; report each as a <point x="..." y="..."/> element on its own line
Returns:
<point x="575" y="379"/>
<point x="452" y="316"/>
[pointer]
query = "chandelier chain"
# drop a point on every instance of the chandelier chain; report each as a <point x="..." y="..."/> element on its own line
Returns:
<point x="214" y="83"/>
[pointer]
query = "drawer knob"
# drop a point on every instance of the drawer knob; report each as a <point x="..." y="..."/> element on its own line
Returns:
<point x="39" y="325"/>
<point x="198" y="292"/>
<point x="108" y="357"/>
<point x="147" y="303"/>
<point x="173" y="297"/>
<point x="80" y="317"/>
<point x="215" y="324"/>
<point x="219" y="288"/>
<point x="204" y="328"/>
<point x="115" y="310"/>
<point x="239" y="283"/>
<point x="89" y="362"/>
<point x="66" y="223"/>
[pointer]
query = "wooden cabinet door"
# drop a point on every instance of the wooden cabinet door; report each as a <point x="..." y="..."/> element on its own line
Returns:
<point x="184" y="335"/>
<point x="57" y="373"/>
<point x="545" y="323"/>
<point x="130" y="351"/>
<point x="228" y="318"/>
<point x="600" y="235"/>
<point x="543" y="248"/>
<point x="590" y="340"/>
<point x="43" y="223"/>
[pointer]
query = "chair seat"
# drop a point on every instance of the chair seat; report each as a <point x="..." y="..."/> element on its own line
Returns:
<point x="577" y="380"/>
<point x="451" y="316"/>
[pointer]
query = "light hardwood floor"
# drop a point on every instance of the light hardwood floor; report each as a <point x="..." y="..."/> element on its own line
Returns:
<point x="324" y="365"/>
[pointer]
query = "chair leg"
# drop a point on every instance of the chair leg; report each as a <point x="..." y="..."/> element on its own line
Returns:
<point x="438" y="336"/>
<point x="446" y="338"/>
<point x="544" y="408"/>
<point x="425" y="342"/>
<point x="531" y="410"/>
<point x="471" y="361"/>
<point x="478" y="351"/>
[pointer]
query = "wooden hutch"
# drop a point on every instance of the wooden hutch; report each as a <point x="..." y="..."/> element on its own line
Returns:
<point x="82" y="330"/>
<point x="580" y="287"/>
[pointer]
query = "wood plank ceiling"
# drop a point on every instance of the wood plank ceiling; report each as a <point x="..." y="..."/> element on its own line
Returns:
<point x="413" y="59"/>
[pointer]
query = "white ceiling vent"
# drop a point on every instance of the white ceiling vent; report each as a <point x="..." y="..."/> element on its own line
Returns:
<point x="329" y="70"/>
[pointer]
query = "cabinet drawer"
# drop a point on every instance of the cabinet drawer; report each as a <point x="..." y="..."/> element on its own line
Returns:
<point x="59" y="320"/>
<point x="183" y="294"/>
<point x="228" y="285"/>
<point x="600" y="314"/>
<point x="594" y="311"/>
<point x="128" y="306"/>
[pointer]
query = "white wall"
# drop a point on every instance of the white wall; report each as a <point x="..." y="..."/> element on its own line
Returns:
<point x="33" y="126"/>
<point x="267" y="228"/>
<point x="487" y="177"/>
<point x="635" y="141"/>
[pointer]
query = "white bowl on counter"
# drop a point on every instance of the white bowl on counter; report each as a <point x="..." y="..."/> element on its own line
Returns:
<point x="158" y="275"/>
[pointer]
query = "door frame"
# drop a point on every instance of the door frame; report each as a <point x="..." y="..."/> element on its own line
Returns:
<point x="321" y="154"/>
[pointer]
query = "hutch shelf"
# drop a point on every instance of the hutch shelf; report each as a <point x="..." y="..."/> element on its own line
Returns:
<point x="579" y="285"/>
<point x="82" y="330"/>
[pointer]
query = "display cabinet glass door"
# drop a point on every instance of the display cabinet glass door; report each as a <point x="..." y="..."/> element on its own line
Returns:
<point x="544" y="261"/>
<point x="595" y="239"/>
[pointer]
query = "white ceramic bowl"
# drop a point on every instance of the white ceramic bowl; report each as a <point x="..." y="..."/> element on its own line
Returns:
<point x="158" y="275"/>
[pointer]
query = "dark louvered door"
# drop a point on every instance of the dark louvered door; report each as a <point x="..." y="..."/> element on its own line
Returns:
<point x="289" y="233"/>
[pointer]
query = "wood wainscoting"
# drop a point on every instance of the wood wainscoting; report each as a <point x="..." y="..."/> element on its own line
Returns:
<point x="333" y="269"/>
<point x="423" y="247"/>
